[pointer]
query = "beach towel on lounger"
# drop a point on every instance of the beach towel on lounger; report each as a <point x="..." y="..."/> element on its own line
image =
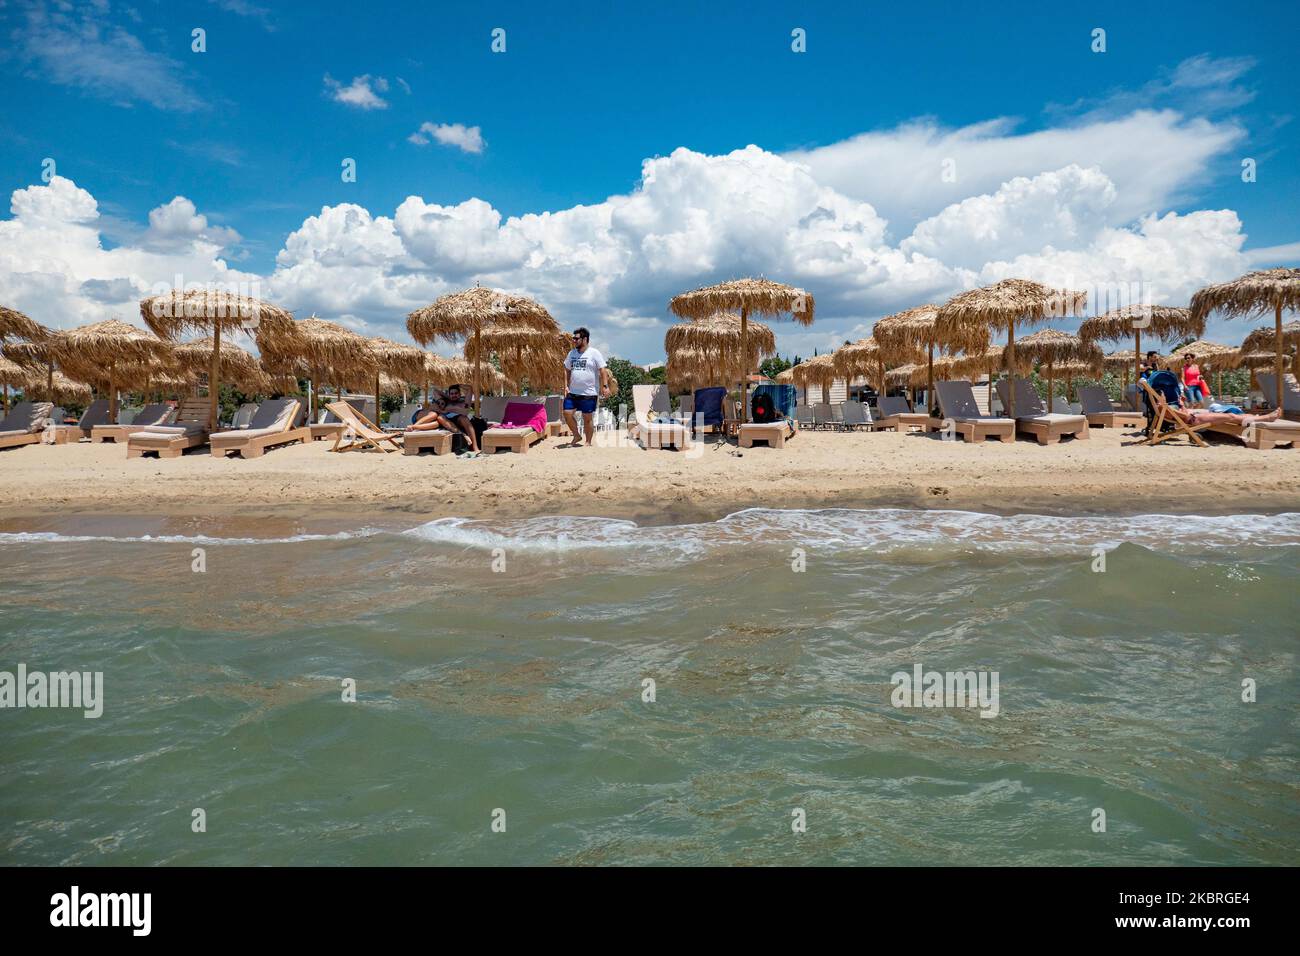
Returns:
<point x="525" y="415"/>
<point x="708" y="405"/>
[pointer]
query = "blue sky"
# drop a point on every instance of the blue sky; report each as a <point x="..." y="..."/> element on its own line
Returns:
<point x="252" y="133"/>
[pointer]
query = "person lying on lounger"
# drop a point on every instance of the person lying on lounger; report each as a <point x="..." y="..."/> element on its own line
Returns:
<point x="1201" y="416"/>
<point x="449" y="410"/>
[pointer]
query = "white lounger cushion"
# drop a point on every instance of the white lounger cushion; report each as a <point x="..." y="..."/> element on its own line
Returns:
<point x="164" y="431"/>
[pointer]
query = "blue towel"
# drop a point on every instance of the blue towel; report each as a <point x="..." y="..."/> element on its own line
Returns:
<point x="784" y="397"/>
<point x="708" y="405"/>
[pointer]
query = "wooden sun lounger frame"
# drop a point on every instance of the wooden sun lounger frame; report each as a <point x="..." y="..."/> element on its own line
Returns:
<point x="437" y="441"/>
<point x="367" y="434"/>
<point x="1115" y="419"/>
<point x="774" y="433"/>
<point x="140" y="443"/>
<point x="975" y="430"/>
<point x="1049" y="432"/>
<point x="1163" y="415"/>
<point x="1265" y="435"/>
<point x="16" y="441"/>
<point x="512" y="439"/>
<point x="256" y="447"/>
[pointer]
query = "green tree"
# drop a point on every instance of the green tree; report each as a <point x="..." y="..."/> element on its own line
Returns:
<point x="774" y="366"/>
<point x="627" y="375"/>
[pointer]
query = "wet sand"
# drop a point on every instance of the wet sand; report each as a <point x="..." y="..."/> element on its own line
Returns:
<point x="95" y="489"/>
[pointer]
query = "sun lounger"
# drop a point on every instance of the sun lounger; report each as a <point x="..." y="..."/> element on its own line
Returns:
<point x="159" y="413"/>
<point x="190" y="430"/>
<point x="554" y="416"/>
<point x="24" y="424"/>
<point x="436" y="440"/>
<point x="774" y="433"/>
<point x="244" y="416"/>
<point x="1290" y="393"/>
<point x="1165" y="417"/>
<point x="514" y="429"/>
<point x="331" y="426"/>
<point x="271" y="426"/>
<point x="363" y="431"/>
<point x="823" y="416"/>
<point x="896" y="413"/>
<point x="1099" y="410"/>
<point x="803" y="416"/>
<point x="685" y="409"/>
<point x="857" y="415"/>
<point x="95" y="414"/>
<point x="957" y="402"/>
<point x="1032" y="417"/>
<point x="1262" y="435"/>
<point x="649" y="403"/>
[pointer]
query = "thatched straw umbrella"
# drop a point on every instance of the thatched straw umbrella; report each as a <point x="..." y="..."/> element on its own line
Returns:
<point x="113" y="347"/>
<point x="901" y="377"/>
<point x="524" y="353"/>
<point x="208" y="310"/>
<point x="13" y="375"/>
<point x="988" y="361"/>
<point x="1264" y="338"/>
<point x="818" y="370"/>
<point x="1254" y="294"/>
<point x="235" y="365"/>
<point x="786" y="377"/>
<point x="15" y="325"/>
<point x="401" y="363"/>
<point x="690" y="369"/>
<point x="745" y="296"/>
<point x="1000" y="306"/>
<point x="864" y="357"/>
<point x="467" y="314"/>
<point x="325" y="350"/>
<point x="1164" y="322"/>
<point x="905" y="335"/>
<point x="66" y="390"/>
<point x="458" y="371"/>
<point x="726" y="348"/>
<point x="1052" y="347"/>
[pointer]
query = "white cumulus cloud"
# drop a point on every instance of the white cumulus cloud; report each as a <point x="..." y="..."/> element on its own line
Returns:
<point x="363" y="92"/>
<point x="468" y="139"/>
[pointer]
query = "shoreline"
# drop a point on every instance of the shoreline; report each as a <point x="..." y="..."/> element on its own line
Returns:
<point x="60" y="488"/>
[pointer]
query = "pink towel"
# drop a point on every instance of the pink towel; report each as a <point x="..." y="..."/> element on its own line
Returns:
<point x="525" y="415"/>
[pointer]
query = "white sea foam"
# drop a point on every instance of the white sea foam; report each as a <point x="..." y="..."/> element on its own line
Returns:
<point x="880" y="529"/>
<point x="877" y="529"/>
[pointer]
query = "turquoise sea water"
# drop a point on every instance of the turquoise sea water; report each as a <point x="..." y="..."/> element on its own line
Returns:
<point x="522" y="690"/>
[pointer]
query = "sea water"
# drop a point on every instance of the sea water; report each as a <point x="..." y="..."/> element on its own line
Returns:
<point x="583" y="690"/>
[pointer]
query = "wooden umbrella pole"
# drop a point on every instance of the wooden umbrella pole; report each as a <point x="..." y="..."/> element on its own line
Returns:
<point x="1051" y="392"/>
<point x="213" y="375"/>
<point x="478" y="356"/>
<point x="49" y="380"/>
<point x="1277" y="365"/>
<point x="744" y="362"/>
<point x="379" y="416"/>
<point x="6" y="399"/>
<point x="1137" y="354"/>
<point x="929" y="380"/>
<point x="1011" y="363"/>
<point x="112" y="393"/>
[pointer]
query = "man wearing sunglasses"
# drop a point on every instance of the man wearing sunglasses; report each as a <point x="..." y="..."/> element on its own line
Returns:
<point x="587" y="375"/>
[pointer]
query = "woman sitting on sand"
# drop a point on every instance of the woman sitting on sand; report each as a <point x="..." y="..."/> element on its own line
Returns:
<point x="448" y="410"/>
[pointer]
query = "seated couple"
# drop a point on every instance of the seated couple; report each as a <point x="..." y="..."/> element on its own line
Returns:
<point x="448" y="408"/>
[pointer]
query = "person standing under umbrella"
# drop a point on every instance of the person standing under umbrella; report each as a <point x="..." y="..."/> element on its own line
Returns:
<point x="587" y="378"/>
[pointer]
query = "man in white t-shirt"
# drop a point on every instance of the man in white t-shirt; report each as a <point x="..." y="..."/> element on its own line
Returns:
<point x="588" y="379"/>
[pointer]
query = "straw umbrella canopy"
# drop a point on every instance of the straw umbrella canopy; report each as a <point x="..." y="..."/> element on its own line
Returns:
<point x="15" y="325"/>
<point x="729" y="347"/>
<point x="1263" y="338"/>
<point x="1052" y="347"/>
<point x="113" y="347"/>
<point x="1259" y="360"/>
<point x="66" y="390"/>
<point x="524" y="353"/>
<point x="235" y="365"/>
<point x="987" y="360"/>
<point x="1164" y="322"/>
<point x="904" y="335"/>
<point x="457" y="371"/>
<point x="327" y="351"/>
<point x="786" y="377"/>
<point x="689" y="369"/>
<point x="1000" y="306"/>
<point x="467" y="314"/>
<point x="1253" y="294"/>
<point x="901" y="377"/>
<point x="864" y="357"/>
<point x="217" y="311"/>
<point x="13" y="375"/>
<point x="400" y="363"/>
<point x="818" y="370"/>
<point x="745" y="296"/>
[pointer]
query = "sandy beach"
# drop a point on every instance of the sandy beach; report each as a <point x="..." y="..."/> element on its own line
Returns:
<point x="62" y="486"/>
